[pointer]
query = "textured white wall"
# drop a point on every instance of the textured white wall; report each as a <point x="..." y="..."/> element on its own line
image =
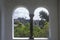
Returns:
<point x="9" y="6"/>
<point x="0" y="19"/>
<point x="59" y="19"/>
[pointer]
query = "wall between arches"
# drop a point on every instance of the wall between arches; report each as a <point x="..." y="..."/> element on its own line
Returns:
<point x="51" y="5"/>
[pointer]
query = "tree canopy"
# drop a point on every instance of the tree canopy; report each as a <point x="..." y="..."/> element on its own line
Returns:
<point x="43" y="15"/>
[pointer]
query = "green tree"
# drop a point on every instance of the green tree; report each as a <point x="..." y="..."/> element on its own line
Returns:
<point x="43" y="15"/>
<point x="24" y="30"/>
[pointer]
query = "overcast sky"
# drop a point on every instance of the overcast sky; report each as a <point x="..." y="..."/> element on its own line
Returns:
<point x="24" y="13"/>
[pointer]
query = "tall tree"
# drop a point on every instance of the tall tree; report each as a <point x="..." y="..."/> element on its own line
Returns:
<point x="43" y="15"/>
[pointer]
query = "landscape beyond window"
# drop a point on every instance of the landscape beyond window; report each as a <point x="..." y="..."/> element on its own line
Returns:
<point x="21" y="24"/>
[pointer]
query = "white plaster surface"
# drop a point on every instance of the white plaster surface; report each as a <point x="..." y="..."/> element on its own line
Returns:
<point x="9" y="5"/>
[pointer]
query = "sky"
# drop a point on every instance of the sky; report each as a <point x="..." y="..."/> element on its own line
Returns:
<point x="24" y="13"/>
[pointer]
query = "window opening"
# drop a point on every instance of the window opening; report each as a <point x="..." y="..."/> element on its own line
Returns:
<point x="31" y="26"/>
<point x="21" y="25"/>
<point x="41" y="23"/>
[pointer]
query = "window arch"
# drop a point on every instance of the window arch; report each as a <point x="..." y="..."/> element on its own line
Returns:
<point x="37" y="10"/>
<point x="20" y="19"/>
<point x="21" y="23"/>
<point x="40" y="22"/>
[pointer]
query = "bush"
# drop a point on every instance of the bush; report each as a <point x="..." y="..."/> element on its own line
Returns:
<point x="24" y="30"/>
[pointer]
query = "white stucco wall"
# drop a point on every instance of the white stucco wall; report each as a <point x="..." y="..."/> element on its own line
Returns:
<point x="0" y="20"/>
<point x="9" y="5"/>
<point x="59" y="19"/>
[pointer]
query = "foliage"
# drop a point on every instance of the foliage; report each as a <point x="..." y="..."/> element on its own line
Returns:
<point x="38" y="32"/>
<point x="43" y="15"/>
<point x="24" y="30"/>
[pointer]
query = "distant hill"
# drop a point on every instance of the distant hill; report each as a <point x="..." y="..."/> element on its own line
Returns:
<point x="24" y="21"/>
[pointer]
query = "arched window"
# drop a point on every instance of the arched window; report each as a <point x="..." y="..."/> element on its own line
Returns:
<point x="22" y="24"/>
<point x="20" y="19"/>
<point x="41" y="23"/>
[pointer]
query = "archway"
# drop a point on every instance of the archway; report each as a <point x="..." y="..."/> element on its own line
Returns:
<point x="20" y="23"/>
<point x="40" y="23"/>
